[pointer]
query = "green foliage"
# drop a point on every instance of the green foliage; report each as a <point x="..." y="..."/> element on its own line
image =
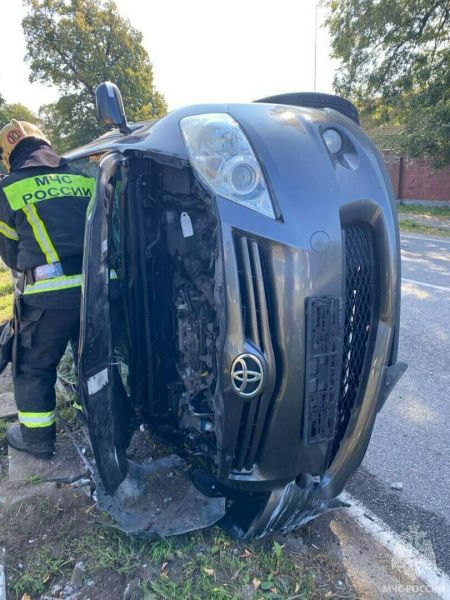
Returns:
<point x="427" y="220"/>
<point x="33" y="479"/>
<point x="3" y="427"/>
<point x="4" y="114"/>
<point x="208" y="565"/>
<point x="20" y="112"/>
<point x="44" y="567"/>
<point x="77" y="44"/>
<point x="6" y="294"/>
<point x="199" y="565"/>
<point x="396" y="66"/>
<point x="423" y="210"/>
<point x="6" y="283"/>
<point x="415" y="227"/>
<point x="14" y="111"/>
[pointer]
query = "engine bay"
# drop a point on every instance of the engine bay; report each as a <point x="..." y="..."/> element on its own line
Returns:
<point x="192" y="254"/>
<point x="177" y="329"/>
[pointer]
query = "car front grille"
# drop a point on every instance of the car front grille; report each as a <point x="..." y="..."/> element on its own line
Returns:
<point x="253" y="284"/>
<point x="359" y="321"/>
<point x="346" y="351"/>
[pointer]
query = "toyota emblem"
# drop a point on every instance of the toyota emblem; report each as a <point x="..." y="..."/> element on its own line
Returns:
<point x="247" y="375"/>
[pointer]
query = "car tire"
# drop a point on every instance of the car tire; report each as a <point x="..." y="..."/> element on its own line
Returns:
<point x="316" y="100"/>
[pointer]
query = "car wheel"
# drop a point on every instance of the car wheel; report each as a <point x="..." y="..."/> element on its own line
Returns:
<point x="316" y="100"/>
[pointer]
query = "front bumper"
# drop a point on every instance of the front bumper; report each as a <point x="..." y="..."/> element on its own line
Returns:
<point x="336" y="238"/>
<point x="294" y="504"/>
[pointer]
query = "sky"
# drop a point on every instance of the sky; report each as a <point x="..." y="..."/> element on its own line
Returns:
<point x="201" y="50"/>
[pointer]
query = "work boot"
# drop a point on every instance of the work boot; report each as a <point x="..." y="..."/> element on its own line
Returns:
<point x="41" y="449"/>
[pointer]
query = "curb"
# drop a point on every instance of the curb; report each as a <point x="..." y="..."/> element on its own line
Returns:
<point x="406" y="556"/>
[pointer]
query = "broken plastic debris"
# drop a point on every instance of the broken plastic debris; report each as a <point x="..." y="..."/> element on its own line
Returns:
<point x="159" y="499"/>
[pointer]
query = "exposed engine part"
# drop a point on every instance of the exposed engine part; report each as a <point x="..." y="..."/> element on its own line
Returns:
<point x="196" y="251"/>
<point x="190" y="238"/>
<point x="195" y="350"/>
<point x="194" y="267"/>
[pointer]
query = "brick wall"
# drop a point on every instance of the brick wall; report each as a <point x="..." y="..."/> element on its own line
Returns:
<point x="416" y="179"/>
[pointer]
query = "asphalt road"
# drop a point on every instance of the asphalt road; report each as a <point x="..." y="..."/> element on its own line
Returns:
<point x="411" y="440"/>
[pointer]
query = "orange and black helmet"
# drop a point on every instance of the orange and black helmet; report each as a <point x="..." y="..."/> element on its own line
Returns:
<point x="15" y="132"/>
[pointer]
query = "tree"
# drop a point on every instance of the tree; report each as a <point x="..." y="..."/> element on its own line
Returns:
<point x="77" y="44"/>
<point x="15" y="111"/>
<point x="396" y="66"/>
<point x="3" y="113"/>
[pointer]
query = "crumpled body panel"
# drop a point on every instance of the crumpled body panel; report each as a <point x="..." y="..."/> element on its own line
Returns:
<point x="158" y="499"/>
<point x="311" y="296"/>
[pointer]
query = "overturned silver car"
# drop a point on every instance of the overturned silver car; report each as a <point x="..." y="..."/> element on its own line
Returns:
<point x="241" y="299"/>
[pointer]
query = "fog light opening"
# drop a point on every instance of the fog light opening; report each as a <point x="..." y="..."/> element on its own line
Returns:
<point x="333" y="140"/>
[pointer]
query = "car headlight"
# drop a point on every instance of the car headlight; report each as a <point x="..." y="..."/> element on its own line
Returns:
<point x="224" y="160"/>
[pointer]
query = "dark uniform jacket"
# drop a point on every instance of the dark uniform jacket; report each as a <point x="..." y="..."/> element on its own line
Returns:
<point x="43" y="206"/>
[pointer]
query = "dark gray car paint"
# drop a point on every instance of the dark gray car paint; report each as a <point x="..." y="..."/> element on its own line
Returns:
<point x="313" y="192"/>
<point x="97" y="375"/>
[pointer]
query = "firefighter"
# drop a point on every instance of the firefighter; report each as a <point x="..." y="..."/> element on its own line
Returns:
<point x="43" y="204"/>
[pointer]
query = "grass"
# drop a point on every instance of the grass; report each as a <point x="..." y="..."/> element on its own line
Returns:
<point x="204" y="564"/>
<point x="66" y="410"/>
<point x="6" y="290"/>
<point x="39" y="572"/>
<point x="420" y="209"/>
<point x="414" y="227"/>
<point x="33" y="479"/>
<point x="3" y="427"/>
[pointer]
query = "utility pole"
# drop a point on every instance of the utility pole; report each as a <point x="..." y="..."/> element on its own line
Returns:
<point x="315" y="49"/>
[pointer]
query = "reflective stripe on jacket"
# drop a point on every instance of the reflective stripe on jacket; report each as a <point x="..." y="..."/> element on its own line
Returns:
<point x="43" y="206"/>
<point x="45" y="213"/>
<point x="56" y="284"/>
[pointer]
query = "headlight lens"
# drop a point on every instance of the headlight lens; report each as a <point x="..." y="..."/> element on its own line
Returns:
<point x="224" y="160"/>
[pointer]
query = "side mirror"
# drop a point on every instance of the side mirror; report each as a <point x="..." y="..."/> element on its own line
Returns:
<point x="110" y="110"/>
